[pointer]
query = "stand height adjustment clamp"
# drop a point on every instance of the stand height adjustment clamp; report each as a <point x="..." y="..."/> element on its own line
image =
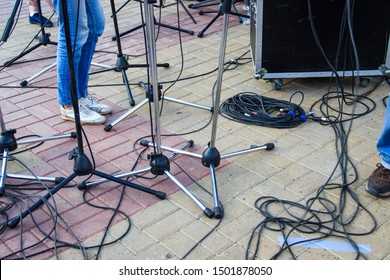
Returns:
<point x="149" y="93"/>
<point x="73" y="154"/>
<point x="82" y="165"/>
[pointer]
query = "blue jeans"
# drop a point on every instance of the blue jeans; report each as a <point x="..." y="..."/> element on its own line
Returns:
<point x="86" y="22"/>
<point x="383" y="144"/>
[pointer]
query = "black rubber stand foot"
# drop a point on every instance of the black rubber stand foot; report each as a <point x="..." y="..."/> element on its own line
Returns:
<point x="270" y="146"/>
<point x="58" y="180"/>
<point x="108" y="127"/>
<point x="161" y="195"/>
<point x="218" y="212"/>
<point x="208" y="212"/>
<point x="82" y="186"/>
<point x="12" y="223"/>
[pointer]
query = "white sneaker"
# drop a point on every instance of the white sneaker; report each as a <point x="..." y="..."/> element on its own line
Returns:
<point x="246" y="21"/>
<point x="92" y="103"/>
<point x="87" y="116"/>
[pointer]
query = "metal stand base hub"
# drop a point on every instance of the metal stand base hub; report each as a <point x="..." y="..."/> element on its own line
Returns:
<point x="211" y="156"/>
<point x="159" y="164"/>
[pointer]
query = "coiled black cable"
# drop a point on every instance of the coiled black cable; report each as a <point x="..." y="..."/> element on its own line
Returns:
<point x="251" y="108"/>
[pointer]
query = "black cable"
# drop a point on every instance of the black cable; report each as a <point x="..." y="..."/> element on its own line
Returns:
<point x="16" y="195"/>
<point x="385" y="100"/>
<point x="320" y="215"/>
<point x="19" y="196"/>
<point x="251" y="108"/>
<point x="181" y="55"/>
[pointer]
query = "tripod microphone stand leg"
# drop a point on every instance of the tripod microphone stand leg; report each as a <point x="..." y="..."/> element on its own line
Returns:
<point x="13" y="222"/>
<point x="36" y="75"/>
<point x="134" y="172"/>
<point x="207" y="211"/>
<point x="186" y="11"/>
<point x="128" y="31"/>
<point x="201" y="33"/>
<point x="219" y="12"/>
<point x="204" y="3"/>
<point x="108" y="127"/>
<point x="149" y="97"/>
<point x="188" y="31"/>
<point x="48" y="68"/>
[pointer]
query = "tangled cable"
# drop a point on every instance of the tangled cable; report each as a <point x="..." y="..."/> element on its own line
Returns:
<point x="251" y="108"/>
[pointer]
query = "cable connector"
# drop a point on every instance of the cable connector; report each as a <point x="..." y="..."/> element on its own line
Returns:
<point x="292" y="113"/>
<point x="233" y="61"/>
<point x="320" y="119"/>
<point x="308" y="114"/>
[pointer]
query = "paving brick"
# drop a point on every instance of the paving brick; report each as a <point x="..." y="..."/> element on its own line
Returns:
<point x="136" y="241"/>
<point x="157" y="252"/>
<point x="175" y="221"/>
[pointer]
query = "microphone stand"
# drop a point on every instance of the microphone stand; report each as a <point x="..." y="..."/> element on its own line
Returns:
<point x="82" y="165"/>
<point x="9" y="143"/>
<point x="210" y="158"/>
<point x="44" y="39"/>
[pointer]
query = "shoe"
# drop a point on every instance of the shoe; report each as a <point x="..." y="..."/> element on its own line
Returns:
<point x="246" y="21"/>
<point x="35" y="20"/>
<point x="87" y="116"/>
<point x="379" y="182"/>
<point x="93" y="104"/>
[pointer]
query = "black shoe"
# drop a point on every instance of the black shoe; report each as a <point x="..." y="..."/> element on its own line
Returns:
<point x="379" y="182"/>
<point x="35" y="20"/>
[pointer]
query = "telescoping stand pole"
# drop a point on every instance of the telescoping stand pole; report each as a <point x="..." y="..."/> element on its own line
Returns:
<point x="159" y="163"/>
<point x="82" y="165"/>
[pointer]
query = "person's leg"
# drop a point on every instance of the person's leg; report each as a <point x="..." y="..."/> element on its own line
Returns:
<point x="383" y="144"/>
<point x="379" y="181"/>
<point x="50" y="5"/>
<point x="34" y="13"/>
<point x="95" y="24"/>
<point x="95" y="21"/>
<point x="79" y="34"/>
